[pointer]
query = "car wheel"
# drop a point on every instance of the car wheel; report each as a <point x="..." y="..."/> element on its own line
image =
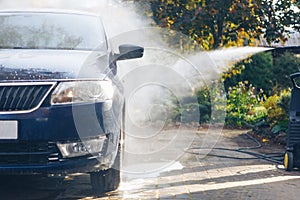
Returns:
<point x="107" y="180"/>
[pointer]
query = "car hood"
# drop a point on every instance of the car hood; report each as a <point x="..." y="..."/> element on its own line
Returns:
<point x="51" y="64"/>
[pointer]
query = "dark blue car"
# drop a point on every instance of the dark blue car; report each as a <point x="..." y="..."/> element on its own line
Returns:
<point x="61" y="104"/>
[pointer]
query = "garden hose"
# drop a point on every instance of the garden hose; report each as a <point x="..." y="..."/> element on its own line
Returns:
<point x="276" y="157"/>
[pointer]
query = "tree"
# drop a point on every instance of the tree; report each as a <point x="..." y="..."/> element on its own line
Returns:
<point x="272" y="75"/>
<point x="284" y="65"/>
<point x="257" y="71"/>
<point x="218" y="23"/>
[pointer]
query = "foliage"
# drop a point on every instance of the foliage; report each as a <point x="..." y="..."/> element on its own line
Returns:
<point x="222" y="23"/>
<point x="243" y="105"/>
<point x="272" y="75"/>
<point x="189" y="110"/>
<point x="204" y="103"/>
<point x="264" y="72"/>
<point x="217" y="23"/>
<point x="256" y="70"/>
<point x="284" y="101"/>
<point x="231" y="76"/>
<point x="277" y="110"/>
<point x="284" y="65"/>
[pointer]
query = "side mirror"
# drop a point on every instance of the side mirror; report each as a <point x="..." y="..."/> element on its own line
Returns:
<point x="128" y="51"/>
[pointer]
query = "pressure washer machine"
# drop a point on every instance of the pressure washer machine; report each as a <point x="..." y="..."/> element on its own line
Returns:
<point x="292" y="154"/>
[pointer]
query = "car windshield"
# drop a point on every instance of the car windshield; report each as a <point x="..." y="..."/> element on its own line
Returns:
<point x="50" y="31"/>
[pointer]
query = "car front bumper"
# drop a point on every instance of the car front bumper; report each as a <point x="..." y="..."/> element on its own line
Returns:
<point x="78" y="165"/>
<point x="35" y="150"/>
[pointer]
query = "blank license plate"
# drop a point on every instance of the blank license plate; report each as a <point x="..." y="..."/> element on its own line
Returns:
<point x="8" y="130"/>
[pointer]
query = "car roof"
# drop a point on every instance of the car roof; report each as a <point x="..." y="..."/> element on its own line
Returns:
<point x="54" y="11"/>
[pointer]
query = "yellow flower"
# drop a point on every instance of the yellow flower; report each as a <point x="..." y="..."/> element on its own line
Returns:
<point x="264" y="140"/>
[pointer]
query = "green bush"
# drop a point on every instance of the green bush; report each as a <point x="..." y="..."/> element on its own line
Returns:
<point x="256" y="70"/>
<point x="244" y="105"/>
<point x="284" y="65"/>
<point x="272" y="75"/>
<point x="264" y="72"/>
<point x="278" y="110"/>
<point x="194" y="108"/>
<point x="204" y="103"/>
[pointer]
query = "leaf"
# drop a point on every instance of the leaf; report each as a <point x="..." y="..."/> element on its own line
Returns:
<point x="218" y="23"/>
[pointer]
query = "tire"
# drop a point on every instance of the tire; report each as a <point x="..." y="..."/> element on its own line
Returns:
<point x="288" y="161"/>
<point x="107" y="180"/>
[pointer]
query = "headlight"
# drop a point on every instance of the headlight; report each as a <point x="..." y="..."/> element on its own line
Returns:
<point x="82" y="91"/>
<point x="75" y="149"/>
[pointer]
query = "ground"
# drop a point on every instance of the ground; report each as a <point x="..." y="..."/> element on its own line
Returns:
<point x="191" y="176"/>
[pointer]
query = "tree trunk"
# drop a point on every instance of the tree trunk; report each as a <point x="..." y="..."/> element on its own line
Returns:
<point x="215" y="33"/>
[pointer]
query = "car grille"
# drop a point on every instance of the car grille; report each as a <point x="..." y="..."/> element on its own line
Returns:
<point x="28" y="153"/>
<point x="23" y="97"/>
